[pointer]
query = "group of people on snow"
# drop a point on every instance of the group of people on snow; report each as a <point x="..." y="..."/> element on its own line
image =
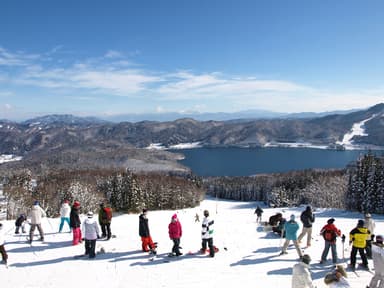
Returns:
<point x="361" y="239"/>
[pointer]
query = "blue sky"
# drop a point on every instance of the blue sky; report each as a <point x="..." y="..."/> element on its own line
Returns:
<point x="98" y="58"/>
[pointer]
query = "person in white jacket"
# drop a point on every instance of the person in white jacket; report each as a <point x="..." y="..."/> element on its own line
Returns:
<point x="377" y="280"/>
<point x="4" y="255"/>
<point x="91" y="232"/>
<point x="370" y="225"/>
<point x="301" y="277"/>
<point x="65" y="211"/>
<point x="36" y="214"/>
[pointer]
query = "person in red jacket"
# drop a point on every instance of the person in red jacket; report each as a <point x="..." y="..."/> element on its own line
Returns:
<point x="330" y="233"/>
<point x="175" y="232"/>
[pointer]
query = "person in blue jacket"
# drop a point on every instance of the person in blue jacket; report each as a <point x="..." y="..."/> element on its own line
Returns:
<point x="291" y="227"/>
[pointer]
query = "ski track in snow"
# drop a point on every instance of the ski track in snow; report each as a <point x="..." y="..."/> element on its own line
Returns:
<point x="251" y="259"/>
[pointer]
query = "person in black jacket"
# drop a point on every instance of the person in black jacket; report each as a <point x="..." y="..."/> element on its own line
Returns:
<point x="20" y="223"/>
<point x="259" y="213"/>
<point x="146" y="239"/>
<point x="307" y="218"/>
<point x="75" y="223"/>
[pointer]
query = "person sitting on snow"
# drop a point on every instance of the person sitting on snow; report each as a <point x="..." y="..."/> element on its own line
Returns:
<point x="337" y="278"/>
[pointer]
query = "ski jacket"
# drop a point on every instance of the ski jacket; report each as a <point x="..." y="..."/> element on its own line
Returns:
<point x="370" y="225"/>
<point x="301" y="277"/>
<point x="19" y="221"/>
<point x="358" y="237"/>
<point x="291" y="228"/>
<point x="174" y="229"/>
<point x="143" y="226"/>
<point x="307" y="218"/>
<point x="258" y="211"/>
<point x="74" y="218"/>
<point x="105" y="215"/>
<point x="331" y="227"/>
<point x="90" y="229"/>
<point x="207" y="228"/>
<point x="65" y="210"/>
<point x="378" y="258"/>
<point x="36" y="214"/>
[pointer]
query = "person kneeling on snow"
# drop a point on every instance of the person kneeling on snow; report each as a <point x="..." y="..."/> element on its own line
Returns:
<point x="301" y="277"/>
<point x="91" y="232"/>
<point x="337" y="278"/>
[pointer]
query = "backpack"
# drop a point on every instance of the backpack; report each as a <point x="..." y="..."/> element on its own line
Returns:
<point x="329" y="235"/>
<point x="108" y="213"/>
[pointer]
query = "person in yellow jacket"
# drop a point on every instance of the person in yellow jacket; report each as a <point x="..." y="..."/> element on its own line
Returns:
<point x="358" y="237"/>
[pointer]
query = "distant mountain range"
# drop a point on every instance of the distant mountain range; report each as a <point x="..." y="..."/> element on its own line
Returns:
<point x="91" y="142"/>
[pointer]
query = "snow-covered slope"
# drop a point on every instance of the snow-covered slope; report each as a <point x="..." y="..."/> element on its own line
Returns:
<point x="248" y="257"/>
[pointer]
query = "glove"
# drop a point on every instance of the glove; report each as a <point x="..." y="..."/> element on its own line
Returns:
<point x="98" y="237"/>
<point x="350" y="242"/>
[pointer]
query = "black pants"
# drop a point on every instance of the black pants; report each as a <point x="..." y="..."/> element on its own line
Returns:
<point x="210" y="245"/>
<point x="176" y="245"/>
<point x="90" y="246"/>
<point x="4" y="255"/>
<point x="362" y="255"/>
<point x="106" y="230"/>
<point x="368" y="249"/>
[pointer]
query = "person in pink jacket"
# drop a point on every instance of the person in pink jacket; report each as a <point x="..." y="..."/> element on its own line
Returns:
<point x="175" y="232"/>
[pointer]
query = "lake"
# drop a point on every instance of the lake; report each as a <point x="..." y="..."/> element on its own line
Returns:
<point x="251" y="161"/>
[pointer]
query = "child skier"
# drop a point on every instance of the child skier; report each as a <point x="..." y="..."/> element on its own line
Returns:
<point x="358" y="239"/>
<point x="146" y="240"/>
<point x="65" y="212"/>
<point x="207" y="234"/>
<point x="20" y="222"/>
<point x="330" y="233"/>
<point x="175" y="232"/>
<point x="291" y="227"/>
<point x="36" y="214"/>
<point x="91" y="232"/>
<point x="75" y="223"/>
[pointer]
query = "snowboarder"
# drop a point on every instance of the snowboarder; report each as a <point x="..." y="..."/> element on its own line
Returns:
<point x="259" y="213"/>
<point x="105" y="219"/>
<point x="175" y="232"/>
<point x="207" y="234"/>
<point x="75" y="223"/>
<point x="377" y="280"/>
<point x="4" y="255"/>
<point x="36" y="214"/>
<point x="147" y="244"/>
<point x="307" y="218"/>
<point x="20" y="222"/>
<point x="301" y="277"/>
<point x="291" y="227"/>
<point x="337" y="278"/>
<point x="330" y="233"/>
<point x="91" y="232"/>
<point x="65" y="211"/>
<point x="370" y="225"/>
<point x="358" y="237"/>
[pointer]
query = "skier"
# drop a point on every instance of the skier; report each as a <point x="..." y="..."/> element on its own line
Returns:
<point x="65" y="211"/>
<point x="175" y="232"/>
<point x="207" y="234"/>
<point x="330" y="233"/>
<point x="358" y="237"/>
<point x="146" y="240"/>
<point x="259" y="213"/>
<point x="307" y="218"/>
<point x="197" y="218"/>
<point x="301" y="277"/>
<point x="36" y="214"/>
<point x="74" y="220"/>
<point x="4" y="255"/>
<point x="291" y="227"/>
<point x="377" y="280"/>
<point x="337" y="278"/>
<point x="105" y="219"/>
<point x="20" y="222"/>
<point x="370" y="225"/>
<point x="91" y="232"/>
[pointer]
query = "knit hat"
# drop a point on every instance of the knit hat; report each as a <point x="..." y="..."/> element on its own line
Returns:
<point x="76" y="204"/>
<point x="145" y="210"/>
<point x="90" y="214"/>
<point x="331" y="220"/>
<point x="360" y="223"/>
<point x="379" y="239"/>
<point x="36" y="203"/>
<point x="174" y="216"/>
<point x="306" y="259"/>
<point x="292" y="217"/>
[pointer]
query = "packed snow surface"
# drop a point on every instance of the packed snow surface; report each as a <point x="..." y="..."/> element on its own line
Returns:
<point x="248" y="256"/>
